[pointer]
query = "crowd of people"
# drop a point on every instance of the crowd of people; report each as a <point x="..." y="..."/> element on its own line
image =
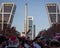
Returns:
<point x="23" y="42"/>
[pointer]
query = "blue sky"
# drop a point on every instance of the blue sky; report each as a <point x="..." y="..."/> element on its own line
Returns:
<point x="36" y="8"/>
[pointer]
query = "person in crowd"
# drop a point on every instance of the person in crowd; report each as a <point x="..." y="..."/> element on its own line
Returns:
<point x="3" y="41"/>
<point x="59" y="39"/>
<point x="28" y="44"/>
<point x="54" y="43"/>
<point x="47" y="43"/>
<point x="21" y="42"/>
<point x="37" y="43"/>
<point x="13" y="42"/>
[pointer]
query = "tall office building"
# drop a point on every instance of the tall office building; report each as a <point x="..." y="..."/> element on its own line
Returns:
<point x="53" y="13"/>
<point x="54" y="18"/>
<point x="26" y="17"/>
<point x="6" y="14"/>
<point x="30" y="27"/>
<point x="34" y="31"/>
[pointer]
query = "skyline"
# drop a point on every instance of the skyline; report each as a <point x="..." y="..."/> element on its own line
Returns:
<point x="36" y="8"/>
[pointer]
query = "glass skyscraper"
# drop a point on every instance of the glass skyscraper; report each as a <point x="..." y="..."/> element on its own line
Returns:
<point x="7" y="10"/>
<point x="53" y="13"/>
<point x="30" y="27"/>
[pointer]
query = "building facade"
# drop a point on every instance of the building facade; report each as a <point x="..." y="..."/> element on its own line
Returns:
<point x="54" y="19"/>
<point x="7" y="11"/>
<point x="30" y="34"/>
<point x="53" y="13"/>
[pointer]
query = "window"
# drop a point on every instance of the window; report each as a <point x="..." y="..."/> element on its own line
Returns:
<point x="7" y="7"/>
<point x="57" y="10"/>
<point x="6" y="17"/>
<point x="51" y="8"/>
<point x="30" y="22"/>
<point x="58" y="18"/>
<point x="0" y="17"/>
<point x="53" y="17"/>
<point x="0" y="9"/>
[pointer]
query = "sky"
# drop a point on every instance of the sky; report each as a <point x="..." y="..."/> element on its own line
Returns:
<point x="36" y="8"/>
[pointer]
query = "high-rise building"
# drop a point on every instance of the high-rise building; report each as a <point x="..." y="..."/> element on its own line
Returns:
<point x="30" y="34"/>
<point x="6" y="14"/>
<point x="34" y="31"/>
<point x="54" y="18"/>
<point x="26" y="17"/>
<point x="53" y="13"/>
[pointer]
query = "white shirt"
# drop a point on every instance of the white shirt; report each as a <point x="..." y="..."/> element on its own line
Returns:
<point x="13" y="43"/>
